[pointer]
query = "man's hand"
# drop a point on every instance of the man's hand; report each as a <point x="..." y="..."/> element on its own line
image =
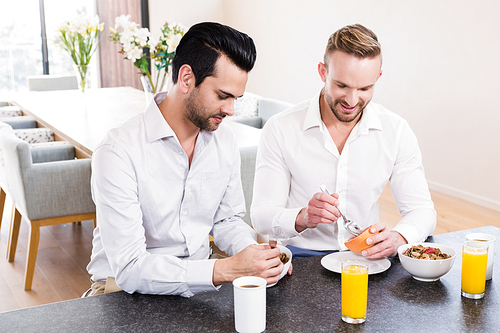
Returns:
<point x="386" y="242"/>
<point x="254" y="260"/>
<point x="322" y="208"/>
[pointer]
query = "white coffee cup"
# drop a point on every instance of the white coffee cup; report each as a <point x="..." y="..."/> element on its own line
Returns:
<point x="490" y="240"/>
<point x="250" y="304"/>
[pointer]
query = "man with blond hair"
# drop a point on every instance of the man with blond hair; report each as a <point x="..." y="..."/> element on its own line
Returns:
<point x="354" y="146"/>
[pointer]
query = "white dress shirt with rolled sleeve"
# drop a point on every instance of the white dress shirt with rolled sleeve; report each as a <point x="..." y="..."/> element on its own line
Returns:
<point x="297" y="154"/>
<point x="155" y="212"/>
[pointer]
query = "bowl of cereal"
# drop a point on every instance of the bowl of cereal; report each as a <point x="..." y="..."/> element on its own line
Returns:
<point x="426" y="261"/>
<point x="286" y="259"/>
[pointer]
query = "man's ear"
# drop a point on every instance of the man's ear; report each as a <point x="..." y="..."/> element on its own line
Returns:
<point x="186" y="80"/>
<point x="322" y="71"/>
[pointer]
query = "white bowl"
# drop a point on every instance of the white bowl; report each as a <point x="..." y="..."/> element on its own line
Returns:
<point x="427" y="270"/>
<point x="288" y="263"/>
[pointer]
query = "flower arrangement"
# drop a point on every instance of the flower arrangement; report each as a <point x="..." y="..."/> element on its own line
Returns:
<point x="79" y="37"/>
<point x="161" y="52"/>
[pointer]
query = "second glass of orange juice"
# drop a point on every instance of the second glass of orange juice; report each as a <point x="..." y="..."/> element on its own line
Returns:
<point x="354" y="281"/>
<point x="474" y="263"/>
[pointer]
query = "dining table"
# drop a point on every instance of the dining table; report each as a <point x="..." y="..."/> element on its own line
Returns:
<point x="308" y="300"/>
<point x="84" y="119"/>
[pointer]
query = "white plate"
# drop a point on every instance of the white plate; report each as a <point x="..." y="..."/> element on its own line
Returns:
<point x="333" y="260"/>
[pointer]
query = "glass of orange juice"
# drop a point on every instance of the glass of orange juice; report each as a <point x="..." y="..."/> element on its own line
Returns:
<point x="354" y="279"/>
<point x="474" y="263"/>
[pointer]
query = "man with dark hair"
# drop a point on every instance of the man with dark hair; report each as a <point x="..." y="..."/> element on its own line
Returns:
<point x="354" y="146"/>
<point x="170" y="177"/>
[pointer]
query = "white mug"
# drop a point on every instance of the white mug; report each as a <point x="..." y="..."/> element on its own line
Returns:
<point x="490" y="240"/>
<point x="250" y="304"/>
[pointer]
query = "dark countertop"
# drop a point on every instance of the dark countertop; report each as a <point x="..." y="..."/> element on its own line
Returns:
<point x="307" y="301"/>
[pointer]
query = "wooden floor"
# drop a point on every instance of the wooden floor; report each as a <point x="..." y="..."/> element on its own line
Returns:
<point x="64" y="251"/>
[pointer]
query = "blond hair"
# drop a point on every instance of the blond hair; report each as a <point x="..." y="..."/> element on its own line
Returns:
<point x="354" y="39"/>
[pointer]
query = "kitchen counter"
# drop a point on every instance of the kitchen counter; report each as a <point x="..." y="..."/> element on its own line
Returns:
<point x="306" y="301"/>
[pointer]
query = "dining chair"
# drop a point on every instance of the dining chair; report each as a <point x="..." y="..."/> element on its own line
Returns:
<point x="44" y="148"/>
<point x="45" y="193"/>
<point x="52" y="82"/>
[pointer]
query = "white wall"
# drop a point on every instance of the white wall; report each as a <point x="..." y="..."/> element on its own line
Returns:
<point x="441" y="70"/>
<point x="187" y="12"/>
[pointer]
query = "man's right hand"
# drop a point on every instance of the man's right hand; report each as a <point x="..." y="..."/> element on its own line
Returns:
<point x="254" y="260"/>
<point x="322" y="208"/>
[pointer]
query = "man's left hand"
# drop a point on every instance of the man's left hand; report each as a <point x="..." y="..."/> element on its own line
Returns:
<point x="386" y="242"/>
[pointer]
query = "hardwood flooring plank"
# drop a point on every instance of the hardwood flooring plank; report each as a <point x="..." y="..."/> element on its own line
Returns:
<point x="14" y="272"/>
<point x="7" y="300"/>
<point x="66" y="278"/>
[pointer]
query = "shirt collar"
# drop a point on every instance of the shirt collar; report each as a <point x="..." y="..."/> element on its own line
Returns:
<point x="156" y="126"/>
<point x="313" y="116"/>
<point x="369" y="120"/>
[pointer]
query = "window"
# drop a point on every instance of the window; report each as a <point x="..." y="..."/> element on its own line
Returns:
<point x="21" y="41"/>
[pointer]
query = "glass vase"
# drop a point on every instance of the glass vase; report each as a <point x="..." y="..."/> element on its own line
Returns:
<point x="81" y="76"/>
<point x="148" y="90"/>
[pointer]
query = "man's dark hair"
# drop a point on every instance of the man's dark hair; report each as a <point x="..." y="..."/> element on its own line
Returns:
<point x="205" y="42"/>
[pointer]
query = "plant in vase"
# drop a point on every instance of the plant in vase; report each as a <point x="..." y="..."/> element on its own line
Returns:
<point x="161" y="52"/>
<point x="79" y="37"/>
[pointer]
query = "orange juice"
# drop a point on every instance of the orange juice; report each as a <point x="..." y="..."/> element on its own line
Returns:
<point x="474" y="260"/>
<point x="354" y="292"/>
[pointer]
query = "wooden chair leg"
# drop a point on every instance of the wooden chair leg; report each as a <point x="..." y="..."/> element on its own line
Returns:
<point x="3" y="195"/>
<point x="15" y="223"/>
<point x="95" y="222"/>
<point x="32" y="253"/>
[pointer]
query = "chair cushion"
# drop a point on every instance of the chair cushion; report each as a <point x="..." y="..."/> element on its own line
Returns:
<point x="246" y="106"/>
<point x="10" y="111"/>
<point x="19" y="122"/>
<point x="35" y="135"/>
<point x="44" y="152"/>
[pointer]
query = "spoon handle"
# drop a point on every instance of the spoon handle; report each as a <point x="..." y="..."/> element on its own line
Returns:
<point x="325" y="190"/>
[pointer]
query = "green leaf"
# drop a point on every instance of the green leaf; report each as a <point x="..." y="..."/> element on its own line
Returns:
<point x="142" y="63"/>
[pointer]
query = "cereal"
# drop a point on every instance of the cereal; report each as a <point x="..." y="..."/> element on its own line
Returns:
<point x="284" y="259"/>
<point x="425" y="253"/>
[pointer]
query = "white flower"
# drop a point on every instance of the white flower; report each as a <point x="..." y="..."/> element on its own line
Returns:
<point x="153" y="41"/>
<point x="141" y="36"/>
<point x="122" y="21"/>
<point x="127" y="37"/>
<point x="134" y="53"/>
<point x="173" y="41"/>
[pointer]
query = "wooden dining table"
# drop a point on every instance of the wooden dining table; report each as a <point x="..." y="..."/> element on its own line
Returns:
<point x="84" y="119"/>
<point x="306" y="301"/>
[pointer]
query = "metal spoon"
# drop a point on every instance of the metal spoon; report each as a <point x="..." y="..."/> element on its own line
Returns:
<point x="349" y="225"/>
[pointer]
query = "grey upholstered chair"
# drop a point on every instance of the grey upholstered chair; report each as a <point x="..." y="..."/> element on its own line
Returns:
<point x="46" y="193"/>
<point x="52" y="82"/>
<point x="43" y="148"/>
<point x="13" y="116"/>
<point x="254" y="110"/>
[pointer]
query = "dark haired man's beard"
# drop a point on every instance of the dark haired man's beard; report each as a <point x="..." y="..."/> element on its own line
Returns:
<point x="197" y="115"/>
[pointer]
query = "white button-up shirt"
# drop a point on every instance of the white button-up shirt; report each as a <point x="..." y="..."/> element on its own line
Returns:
<point x="155" y="213"/>
<point x="296" y="154"/>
